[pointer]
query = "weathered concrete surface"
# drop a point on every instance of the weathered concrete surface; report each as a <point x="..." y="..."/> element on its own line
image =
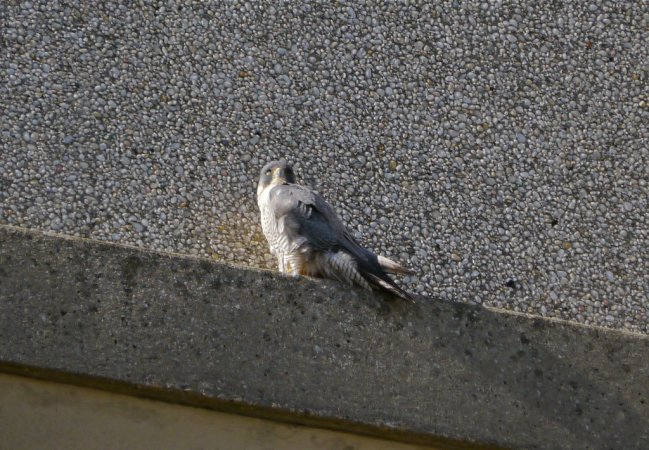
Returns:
<point x="228" y="336"/>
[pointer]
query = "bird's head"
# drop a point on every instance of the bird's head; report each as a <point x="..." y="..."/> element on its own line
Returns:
<point x="274" y="173"/>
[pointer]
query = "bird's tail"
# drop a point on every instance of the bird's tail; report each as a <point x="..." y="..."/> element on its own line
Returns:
<point x="387" y="284"/>
<point x="374" y="269"/>
<point x="392" y="267"/>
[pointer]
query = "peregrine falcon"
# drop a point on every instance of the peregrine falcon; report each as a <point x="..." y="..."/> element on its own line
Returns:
<point x="308" y="238"/>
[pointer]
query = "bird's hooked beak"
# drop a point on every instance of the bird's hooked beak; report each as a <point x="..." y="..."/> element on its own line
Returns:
<point x="278" y="176"/>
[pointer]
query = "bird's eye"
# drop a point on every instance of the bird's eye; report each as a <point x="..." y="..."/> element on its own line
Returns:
<point x="268" y="172"/>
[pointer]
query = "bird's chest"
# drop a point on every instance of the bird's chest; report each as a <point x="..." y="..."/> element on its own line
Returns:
<point x="269" y="223"/>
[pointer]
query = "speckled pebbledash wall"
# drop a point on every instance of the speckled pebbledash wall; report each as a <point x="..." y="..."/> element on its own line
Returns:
<point x="499" y="148"/>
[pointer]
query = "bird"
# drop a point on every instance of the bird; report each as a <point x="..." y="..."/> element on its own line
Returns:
<point x="308" y="238"/>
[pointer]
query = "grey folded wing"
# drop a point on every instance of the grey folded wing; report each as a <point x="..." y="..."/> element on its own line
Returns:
<point x="306" y="217"/>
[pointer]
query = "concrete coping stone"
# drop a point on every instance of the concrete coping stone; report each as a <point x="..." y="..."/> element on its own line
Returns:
<point x="188" y="330"/>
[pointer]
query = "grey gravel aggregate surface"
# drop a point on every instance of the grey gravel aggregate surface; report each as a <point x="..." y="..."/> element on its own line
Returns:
<point x="500" y="148"/>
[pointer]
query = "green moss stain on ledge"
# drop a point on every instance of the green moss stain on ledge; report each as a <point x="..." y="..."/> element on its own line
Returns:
<point x="294" y="417"/>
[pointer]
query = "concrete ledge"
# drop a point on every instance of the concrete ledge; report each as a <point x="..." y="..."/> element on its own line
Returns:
<point x="191" y="331"/>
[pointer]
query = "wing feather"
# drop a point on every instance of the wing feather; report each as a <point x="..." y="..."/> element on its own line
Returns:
<point x="304" y="213"/>
<point x="307" y="219"/>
